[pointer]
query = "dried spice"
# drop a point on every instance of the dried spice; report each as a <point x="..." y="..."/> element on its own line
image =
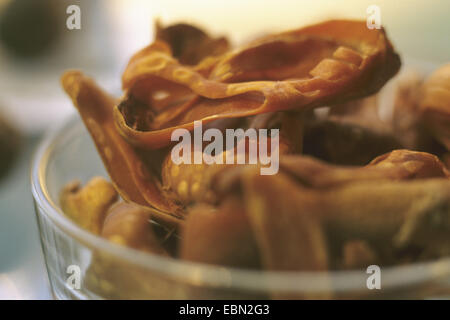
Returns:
<point x="87" y="205"/>
<point x="348" y="192"/>
<point x="129" y="225"/>
<point x="389" y="215"/>
<point x="129" y="174"/>
<point x="389" y="211"/>
<point x="189" y="182"/>
<point x="318" y="196"/>
<point x="289" y="236"/>
<point x="225" y="228"/>
<point x="323" y="64"/>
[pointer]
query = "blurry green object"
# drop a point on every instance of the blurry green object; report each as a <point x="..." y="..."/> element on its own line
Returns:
<point x="10" y="141"/>
<point x="28" y="28"/>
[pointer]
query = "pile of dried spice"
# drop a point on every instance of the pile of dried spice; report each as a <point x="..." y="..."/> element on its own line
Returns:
<point x="351" y="190"/>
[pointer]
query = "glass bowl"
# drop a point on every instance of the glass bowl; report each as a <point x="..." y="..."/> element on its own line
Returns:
<point x="82" y="265"/>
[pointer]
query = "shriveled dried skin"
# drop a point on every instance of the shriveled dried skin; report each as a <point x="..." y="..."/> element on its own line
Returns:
<point x="219" y="235"/>
<point x="409" y="164"/>
<point x="314" y="174"/>
<point x="368" y="203"/>
<point x="323" y="64"/>
<point x="129" y="225"/>
<point x="290" y="221"/>
<point x="396" y="165"/>
<point x="128" y="172"/>
<point x="289" y="236"/>
<point x="389" y="215"/>
<point x="87" y="206"/>
<point x="189" y="44"/>
<point x="292" y="224"/>
<point x="435" y="104"/>
<point x="344" y="143"/>
<point x="190" y="183"/>
<point x="395" y="213"/>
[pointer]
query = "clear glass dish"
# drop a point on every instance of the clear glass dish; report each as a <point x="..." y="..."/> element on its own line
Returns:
<point x="108" y="270"/>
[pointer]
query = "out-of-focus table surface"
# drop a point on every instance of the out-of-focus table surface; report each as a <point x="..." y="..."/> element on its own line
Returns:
<point x="22" y="267"/>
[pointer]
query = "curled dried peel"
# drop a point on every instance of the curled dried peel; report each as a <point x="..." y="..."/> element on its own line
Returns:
<point x="87" y="205"/>
<point x="226" y="228"/>
<point x="189" y="182"/>
<point x="312" y="173"/>
<point x="210" y="183"/>
<point x="411" y="164"/>
<point x="289" y="236"/>
<point x="129" y="225"/>
<point x="128" y="172"/>
<point x="400" y="213"/>
<point x="323" y="64"/>
<point x="406" y="212"/>
<point x="395" y="165"/>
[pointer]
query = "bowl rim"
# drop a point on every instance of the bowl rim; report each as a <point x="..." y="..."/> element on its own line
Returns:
<point x="209" y="275"/>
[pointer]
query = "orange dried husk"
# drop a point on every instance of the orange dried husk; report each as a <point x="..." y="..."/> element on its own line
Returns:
<point x="395" y="166"/>
<point x="190" y="182"/>
<point x="323" y="64"/>
<point x="130" y="175"/>
<point x="313" y="173"/>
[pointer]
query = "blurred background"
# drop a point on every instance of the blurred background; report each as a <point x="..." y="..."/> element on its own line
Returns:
<point x="36" y="47"/>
